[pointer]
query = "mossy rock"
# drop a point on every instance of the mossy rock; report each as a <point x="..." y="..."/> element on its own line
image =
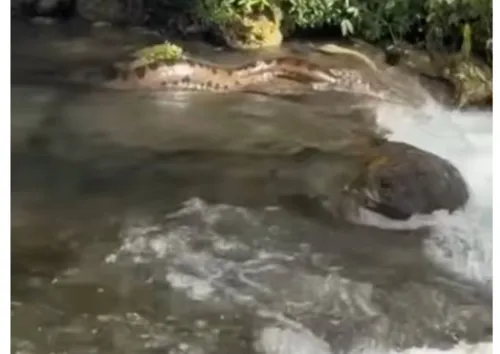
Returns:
<point x="471" y="79"/>
<point x="159" y="52"/>
<point x="165" y="51"/>
<point x="253" y="31"/>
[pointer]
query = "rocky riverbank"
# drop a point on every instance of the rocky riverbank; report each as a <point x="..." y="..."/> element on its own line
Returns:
<point x="466" y="76"/>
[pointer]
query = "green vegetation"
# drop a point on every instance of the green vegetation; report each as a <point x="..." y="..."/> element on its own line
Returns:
<point x="244" y="24"/>
<point x="223" y="11"/>
<point x="448" y="22"/>
<point x="165" y="51"/>
<point x="438" y="24"/>
<point x="342" y="14"/>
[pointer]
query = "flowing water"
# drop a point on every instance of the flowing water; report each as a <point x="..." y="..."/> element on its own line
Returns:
<point x="118" y="246"/>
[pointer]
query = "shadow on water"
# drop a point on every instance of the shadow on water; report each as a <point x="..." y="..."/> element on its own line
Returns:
<point x="147" y="224"/>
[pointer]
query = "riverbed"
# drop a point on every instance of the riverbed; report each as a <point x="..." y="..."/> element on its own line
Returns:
<point x="124" y="243"/>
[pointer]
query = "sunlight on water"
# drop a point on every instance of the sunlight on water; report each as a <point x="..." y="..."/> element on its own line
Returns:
<point x="460" y="242"/>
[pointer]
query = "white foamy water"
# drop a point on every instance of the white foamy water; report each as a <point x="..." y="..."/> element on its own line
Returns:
<point x="240" y="263"/>
<point x="460" y="242"/>
<point x="274" y="340"/>
<point x="241" y="266"/>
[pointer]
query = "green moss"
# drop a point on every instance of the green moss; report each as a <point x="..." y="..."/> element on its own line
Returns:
<point x="165" y="51"/>
<point x="245" y="24"/>
<point x="256" y="31"/>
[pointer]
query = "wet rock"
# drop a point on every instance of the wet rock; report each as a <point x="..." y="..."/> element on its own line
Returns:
<point x="401" y="180"/>
<point x="472" y="80"/>
<point x="392" y="179"/>
<point x="412" y="58"/>
<point x="258" y="30"/>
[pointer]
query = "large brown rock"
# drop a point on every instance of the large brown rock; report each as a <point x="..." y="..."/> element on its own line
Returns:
<point x="401" y="180"/>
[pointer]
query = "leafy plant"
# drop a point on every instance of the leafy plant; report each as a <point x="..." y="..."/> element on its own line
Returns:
<point x="392" y="20"/>
<point x="446" y="20"/>
<point x="220" y="11"/>
<point x="317" y="13"/>
<point x="436" y="23"/>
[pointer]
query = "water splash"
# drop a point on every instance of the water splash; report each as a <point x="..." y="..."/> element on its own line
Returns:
<point x="275" y="340"/>
<point x="460" y="242"/>
<point x="239" y="263"/>
<point x="229" y="257"/>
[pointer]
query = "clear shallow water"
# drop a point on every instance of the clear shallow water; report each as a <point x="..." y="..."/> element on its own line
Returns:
<point x="113" y="254"/>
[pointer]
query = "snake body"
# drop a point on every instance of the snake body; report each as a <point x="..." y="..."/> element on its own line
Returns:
<point x="194" y="75"/>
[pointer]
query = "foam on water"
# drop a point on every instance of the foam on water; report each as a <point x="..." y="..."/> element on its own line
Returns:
<point x="275" y="340"/>
<point x="460" y="242"/>
<point x="249" y="270"/>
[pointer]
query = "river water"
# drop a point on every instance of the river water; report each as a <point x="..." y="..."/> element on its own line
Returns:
<point x="118" y="246"/>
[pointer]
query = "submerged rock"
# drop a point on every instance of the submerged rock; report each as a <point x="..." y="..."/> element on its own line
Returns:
<point x="401" y="180"/>
<point x="393" y="179"/>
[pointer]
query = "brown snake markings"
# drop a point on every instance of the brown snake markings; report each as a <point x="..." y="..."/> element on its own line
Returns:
<point x="193" y="75"/>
